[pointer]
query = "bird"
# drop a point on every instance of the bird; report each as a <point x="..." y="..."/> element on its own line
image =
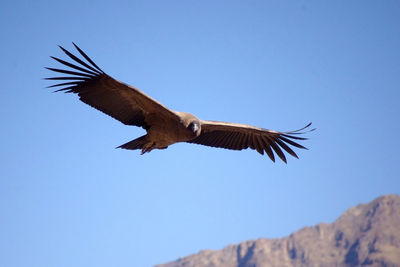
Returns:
<point x="163" y="126"/>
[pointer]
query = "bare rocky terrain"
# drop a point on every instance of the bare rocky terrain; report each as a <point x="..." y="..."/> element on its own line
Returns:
<point x="365" y="235"/>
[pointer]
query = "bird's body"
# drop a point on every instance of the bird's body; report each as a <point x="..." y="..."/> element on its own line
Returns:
<point x="164" y="127"/>
<point x="166" y="131"/>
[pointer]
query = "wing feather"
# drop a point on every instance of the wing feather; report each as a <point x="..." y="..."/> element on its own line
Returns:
<point x="230" y="142"/>
<point x="267" y="148"/>
<point x="236" y="141"/>
<point x="290" y="142"/>
<point x="62" y="84"/>
<point x="240" y="136"/>
<point x="257" y="144"/>
<point x="220" y="140"/>
<point x="250" y="141"/>
<point x="67" y="78"/>
<point x="73" y="66"/>
<point x="277" y="150"/>
<point x="97" y="89"/>
<point x="286" y="148"/>
<point x="78" y="60"/>
<point x="240" y="142"/>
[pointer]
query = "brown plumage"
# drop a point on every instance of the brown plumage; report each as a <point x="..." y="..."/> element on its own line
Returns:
<point x="164" y="127"/>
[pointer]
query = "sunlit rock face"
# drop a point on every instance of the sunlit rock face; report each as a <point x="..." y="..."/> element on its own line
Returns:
<point x="365" y="235"/>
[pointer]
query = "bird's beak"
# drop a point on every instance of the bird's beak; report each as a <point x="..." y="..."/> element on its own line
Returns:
<point x="195" y="127"/>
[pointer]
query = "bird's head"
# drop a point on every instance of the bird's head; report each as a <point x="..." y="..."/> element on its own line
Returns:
<point x="194" y="127"/>
<point x="191" y="124"/>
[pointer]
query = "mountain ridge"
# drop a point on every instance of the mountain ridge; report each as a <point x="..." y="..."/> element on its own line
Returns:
<point x="364" y="235"/>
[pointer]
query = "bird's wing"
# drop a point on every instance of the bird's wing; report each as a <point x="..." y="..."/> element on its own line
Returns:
<point x="119" y="100"/>
<point x="241" y="136"/>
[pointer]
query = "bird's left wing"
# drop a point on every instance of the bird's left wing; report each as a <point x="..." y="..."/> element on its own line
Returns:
<point x="241" y="136"/>
<point x="97" y="89"/>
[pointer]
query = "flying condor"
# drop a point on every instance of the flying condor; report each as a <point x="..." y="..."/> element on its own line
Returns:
<point x="164" y="126"/>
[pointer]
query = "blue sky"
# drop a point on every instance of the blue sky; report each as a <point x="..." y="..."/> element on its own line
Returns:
<point x="69" y="198"/>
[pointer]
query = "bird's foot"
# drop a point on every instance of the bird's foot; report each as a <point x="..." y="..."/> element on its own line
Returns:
<point x="147" y="148"/>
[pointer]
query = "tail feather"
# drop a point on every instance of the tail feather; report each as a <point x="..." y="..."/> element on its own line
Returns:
<point x="138" y="143"/>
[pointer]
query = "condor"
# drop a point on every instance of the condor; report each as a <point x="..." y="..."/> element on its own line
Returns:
<point x="164" y="126"/>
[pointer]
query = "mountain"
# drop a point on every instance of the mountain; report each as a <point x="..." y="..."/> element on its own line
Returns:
<point x="365" y="235"/>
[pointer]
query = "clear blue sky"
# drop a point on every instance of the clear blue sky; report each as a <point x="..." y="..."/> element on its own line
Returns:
<point x="69" y="198"/>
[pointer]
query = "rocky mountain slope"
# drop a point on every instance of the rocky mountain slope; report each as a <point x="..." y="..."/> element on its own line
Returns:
<point x="365" y="235"/>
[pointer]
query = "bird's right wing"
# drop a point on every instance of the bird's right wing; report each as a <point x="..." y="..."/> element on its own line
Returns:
<point x="121" y="101"/>
<point x="238" y="136"/>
